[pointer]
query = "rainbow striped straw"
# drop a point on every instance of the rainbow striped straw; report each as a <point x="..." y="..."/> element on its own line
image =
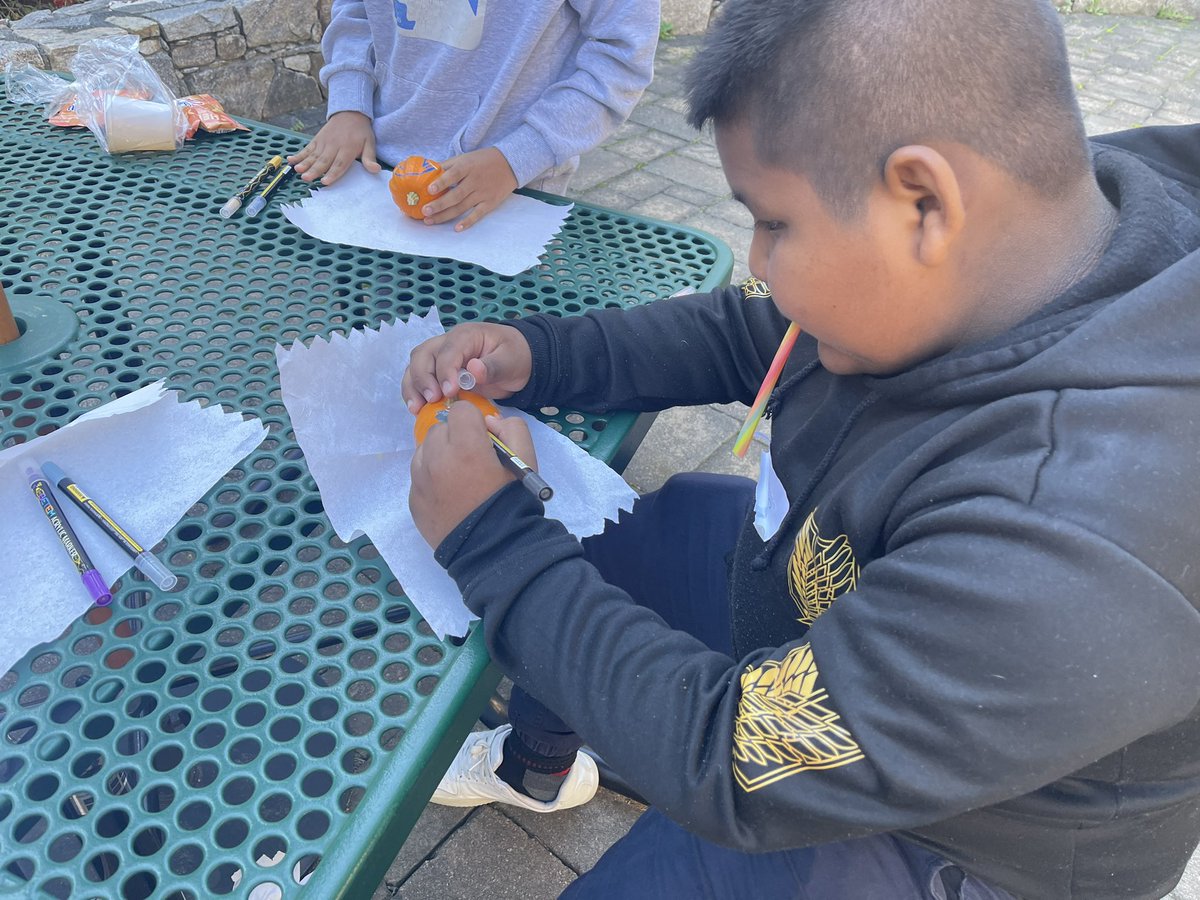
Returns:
<point x="742" y="443"/>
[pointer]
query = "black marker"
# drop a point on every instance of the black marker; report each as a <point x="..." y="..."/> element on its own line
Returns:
<point x="531" y="479"/>
<point x="92" y="579"/>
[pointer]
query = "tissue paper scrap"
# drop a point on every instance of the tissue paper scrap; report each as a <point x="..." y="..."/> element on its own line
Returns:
<point x="147" y="458"/>
<point x="358" y="210"/>
<point x="770" y="499"/>
<point x="343" y="397"/>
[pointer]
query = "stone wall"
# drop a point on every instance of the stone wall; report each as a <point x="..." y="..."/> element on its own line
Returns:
<point x="259" y="57"/>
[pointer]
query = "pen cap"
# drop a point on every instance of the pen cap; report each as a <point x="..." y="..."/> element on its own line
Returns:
<point x="94" y="582"/>
<point x="150" y="566"/>
<point x="537" y="485"/>
<point x="53" y="473"/>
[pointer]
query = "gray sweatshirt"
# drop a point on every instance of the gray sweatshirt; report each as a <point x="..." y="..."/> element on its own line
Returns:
<point x="541" y="80"/>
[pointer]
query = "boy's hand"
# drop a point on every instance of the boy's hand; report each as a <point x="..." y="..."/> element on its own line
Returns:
<point x="474" y="183"/>
<point x="347" y="136"/>
<point x="456" y="468"/>
<point x="497" y="355"/>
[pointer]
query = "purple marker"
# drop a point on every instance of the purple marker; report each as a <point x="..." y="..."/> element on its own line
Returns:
<point x="92" y="579"/>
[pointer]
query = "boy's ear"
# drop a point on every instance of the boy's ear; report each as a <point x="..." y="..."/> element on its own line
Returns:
<point x="923" y="182"/>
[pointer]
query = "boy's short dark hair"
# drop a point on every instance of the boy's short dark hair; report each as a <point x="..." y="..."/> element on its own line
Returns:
<point x="832" y="87"/>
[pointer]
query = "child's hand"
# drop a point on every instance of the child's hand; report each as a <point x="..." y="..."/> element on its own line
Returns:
<point x="456" y="468"/>
<point x="347" y="136"/>
<point x="474" y="183"/>
<point x="497" y="355"/>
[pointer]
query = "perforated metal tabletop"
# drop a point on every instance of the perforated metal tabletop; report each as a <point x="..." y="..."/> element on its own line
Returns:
<point x="281" y="717"/>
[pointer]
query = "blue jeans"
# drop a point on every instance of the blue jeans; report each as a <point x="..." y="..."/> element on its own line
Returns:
<point x="671" y="554"/>
<point x="658" y="860"/>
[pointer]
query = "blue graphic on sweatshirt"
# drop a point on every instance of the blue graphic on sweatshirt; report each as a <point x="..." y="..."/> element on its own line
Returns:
<point x="402" y="18"/>
<point x="454" y="23"/>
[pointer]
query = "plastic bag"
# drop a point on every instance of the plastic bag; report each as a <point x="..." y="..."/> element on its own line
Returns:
<point x="25" y="84"/>
<point x="116" y="95"/>
<point x="121" y="99"/>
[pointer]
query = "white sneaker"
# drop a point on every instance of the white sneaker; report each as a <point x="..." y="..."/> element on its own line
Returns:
<point x="471" y="779"/>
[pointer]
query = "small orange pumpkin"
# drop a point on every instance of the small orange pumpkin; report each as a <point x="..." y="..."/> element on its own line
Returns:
<point x="432" y="413"/>
<point x="410" y="184"/>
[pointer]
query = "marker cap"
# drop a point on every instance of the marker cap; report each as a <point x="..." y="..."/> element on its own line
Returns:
<point x="537" y="485"/>
<point x="231" y="206"/>
<point x="53" y="473"/>
<point x="254" y="207"/>
<point x="94" y="582"/>
<point x="150" y="566"/>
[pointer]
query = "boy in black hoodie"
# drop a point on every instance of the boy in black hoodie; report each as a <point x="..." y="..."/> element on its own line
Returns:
<point x="965" y="664"/>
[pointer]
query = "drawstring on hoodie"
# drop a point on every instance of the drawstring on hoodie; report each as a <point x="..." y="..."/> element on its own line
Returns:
<point x="787" y="384"/>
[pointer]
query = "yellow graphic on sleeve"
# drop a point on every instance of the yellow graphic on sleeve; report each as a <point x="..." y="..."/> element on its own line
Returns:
<point x="754" y="287"/>
<point x="785" y="725"/>
<point x="820" y="570"/>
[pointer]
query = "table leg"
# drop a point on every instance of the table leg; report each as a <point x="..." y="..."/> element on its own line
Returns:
<point x="631" y="441"/>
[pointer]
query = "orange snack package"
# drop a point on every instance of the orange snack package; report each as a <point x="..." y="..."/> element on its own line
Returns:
<point x="204" y="111"/>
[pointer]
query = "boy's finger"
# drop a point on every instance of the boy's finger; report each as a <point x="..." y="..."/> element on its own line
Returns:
<point x="445" y="211"/>
<point x="306" y="158"/>
<point x="425" y="387"/>
<point x="446" y="180"/>
<point x="341" y="163"/>
<point x="368" y="155"/>
<point x="480" y="371"/>
<point x="300" y="156"/>
<point x="316" y="166"/>
<point x="465" y="426"/>
<point x="438" y="205"/>
<point x="409" y="392"/>
<point x="471" y="218"/>
<point x="449" y="360"/>
<point x="422" y="373"/>
<point x="515" y="434"/>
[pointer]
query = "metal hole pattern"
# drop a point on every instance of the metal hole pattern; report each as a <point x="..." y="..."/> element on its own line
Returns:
<point x="201" y="742"/>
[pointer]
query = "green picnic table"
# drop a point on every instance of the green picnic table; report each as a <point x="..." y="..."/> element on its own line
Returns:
<point x="275" y="724"/>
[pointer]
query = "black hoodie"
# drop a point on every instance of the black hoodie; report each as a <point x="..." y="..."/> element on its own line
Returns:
<point x="977" y="626"/>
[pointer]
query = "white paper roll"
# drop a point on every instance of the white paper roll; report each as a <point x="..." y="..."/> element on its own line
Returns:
<point x="138" y="125"/>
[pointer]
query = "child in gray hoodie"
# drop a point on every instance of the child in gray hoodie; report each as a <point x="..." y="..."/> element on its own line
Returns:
<point x="503" y="94"/>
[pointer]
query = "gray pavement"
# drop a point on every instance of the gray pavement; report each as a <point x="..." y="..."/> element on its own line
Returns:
<point x="1129" y="72"/>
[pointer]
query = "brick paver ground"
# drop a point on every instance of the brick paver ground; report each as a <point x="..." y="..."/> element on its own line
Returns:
<point x="1129" y="72"/>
